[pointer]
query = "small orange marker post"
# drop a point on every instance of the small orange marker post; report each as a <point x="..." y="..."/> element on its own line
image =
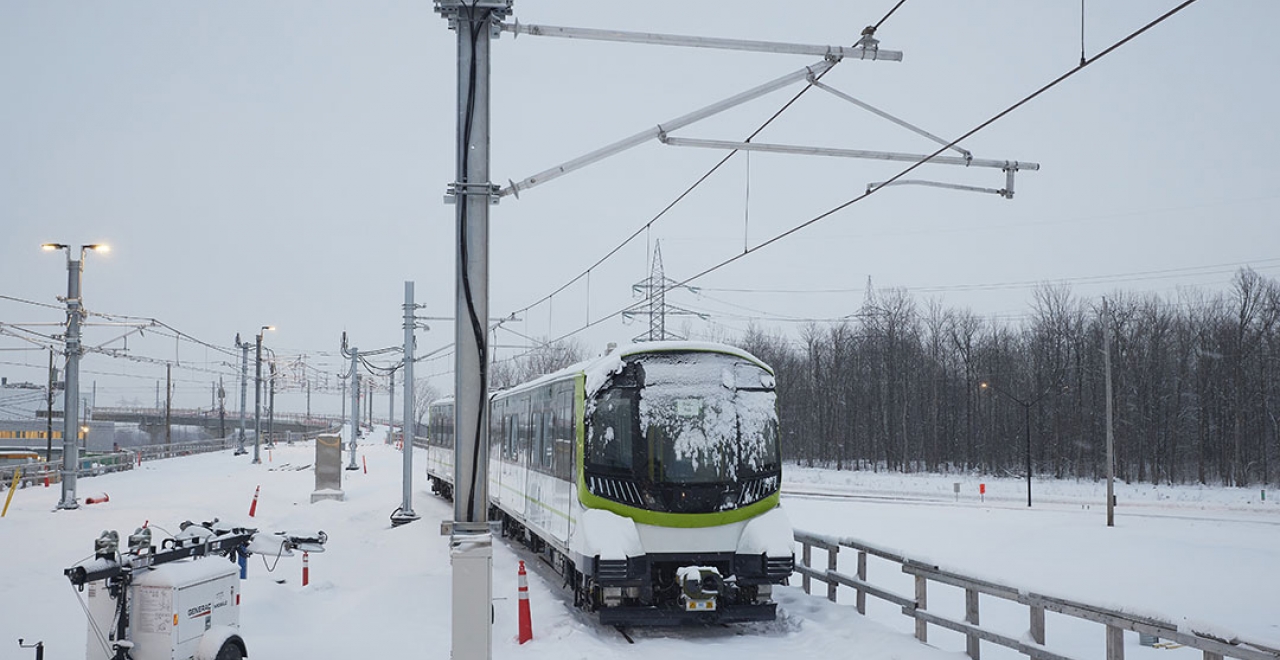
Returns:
<point x="306" y="571"/>
<point x="365" y="461"/>
<point x="253" y="508"/>
<point x="982" y="490"/>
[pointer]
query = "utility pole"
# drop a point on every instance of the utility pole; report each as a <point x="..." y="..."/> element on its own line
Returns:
<point x="222" y="410"/>
<point x="168" y="404"/>
<point x="1111" y="463"/>
<point x="271" y="408"/>
<point x="244" y="386"/>
<point x="71" y="395"/>
<point x="391" y="405"/>
<point x="257" y="398"/>
<point x="48" y="413"/>
<point x="354" y="375"/>
<point x="405" y="513"/>
<point x="471" y="545"/>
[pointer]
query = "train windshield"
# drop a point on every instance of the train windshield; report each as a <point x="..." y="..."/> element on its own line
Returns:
<point x="685" y="432"/>
<point x="706" y="418"/>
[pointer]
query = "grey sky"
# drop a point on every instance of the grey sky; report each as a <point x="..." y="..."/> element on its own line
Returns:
<point x="284" y="163"/>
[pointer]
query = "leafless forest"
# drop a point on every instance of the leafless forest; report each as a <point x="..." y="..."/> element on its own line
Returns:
<point x="901" y="386"/>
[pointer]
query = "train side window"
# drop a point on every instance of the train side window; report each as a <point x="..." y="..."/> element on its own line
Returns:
<point x="611" y="432"/>
<point x="548" y="442"/>
<point x="508" y="447"/>
<point x="536" y="438"/>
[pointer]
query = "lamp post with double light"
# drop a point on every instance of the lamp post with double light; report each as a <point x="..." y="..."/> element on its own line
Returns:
<point x="71" y="393"/>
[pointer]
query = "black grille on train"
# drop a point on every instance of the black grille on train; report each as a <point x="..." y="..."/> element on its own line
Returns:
<point x="754" y="490"/>
<point x="618" y="490"/>
<point x="776" y="568"/>
<point x="611" y="570"/>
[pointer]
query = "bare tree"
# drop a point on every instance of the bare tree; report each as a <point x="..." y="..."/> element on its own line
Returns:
<point x="543" y="358"/>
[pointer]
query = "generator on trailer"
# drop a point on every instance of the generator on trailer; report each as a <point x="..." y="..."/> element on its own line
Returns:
<point x="177" y="602"/>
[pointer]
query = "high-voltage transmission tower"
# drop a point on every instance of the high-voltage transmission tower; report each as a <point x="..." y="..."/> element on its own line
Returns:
<point x="654" y="289"/>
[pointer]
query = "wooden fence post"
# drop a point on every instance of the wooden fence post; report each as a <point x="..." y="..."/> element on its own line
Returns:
<point x="1037" y="624"/>
<point x="807" y="560"/>
<point x="922" y="603"/>
<point x="862" y="577"/>
<point x="971" y="616"/>
<point x="833" y="553"/>
<point x="1115" y="643"/>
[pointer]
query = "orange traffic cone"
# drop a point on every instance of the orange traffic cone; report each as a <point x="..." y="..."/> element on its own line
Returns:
<point x="526" y="624"/>
<point x="253" y="508"/>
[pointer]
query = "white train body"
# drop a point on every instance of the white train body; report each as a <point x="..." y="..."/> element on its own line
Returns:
<point x="649" y="478"/>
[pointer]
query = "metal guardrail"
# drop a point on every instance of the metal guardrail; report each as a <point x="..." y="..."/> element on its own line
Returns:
<point x="34" y="473"/>
<point x="916" y="606"/>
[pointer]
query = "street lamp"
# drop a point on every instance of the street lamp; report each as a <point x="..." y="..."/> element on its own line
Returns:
<point x="257" y="397"/>
<point x="71" y="393"/>
<point x="1026" y="416"/>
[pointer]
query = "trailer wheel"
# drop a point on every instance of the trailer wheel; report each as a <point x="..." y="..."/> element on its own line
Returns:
<point x="229" y="651"/>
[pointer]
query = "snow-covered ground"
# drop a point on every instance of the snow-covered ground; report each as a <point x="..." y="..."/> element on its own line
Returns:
<point x="1183" y="554"/>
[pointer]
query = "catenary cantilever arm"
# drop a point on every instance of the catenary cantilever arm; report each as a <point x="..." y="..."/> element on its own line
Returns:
<point x="665" y="127"/>
<point x="866" y="49"/>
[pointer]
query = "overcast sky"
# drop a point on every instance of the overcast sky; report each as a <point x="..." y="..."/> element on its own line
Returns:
<point x="285" y="163"/>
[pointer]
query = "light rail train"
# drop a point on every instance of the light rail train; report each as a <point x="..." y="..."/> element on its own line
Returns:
<point x="648" y="478"/>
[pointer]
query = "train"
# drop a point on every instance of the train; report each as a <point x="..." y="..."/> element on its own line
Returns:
<point x="648" y="479"/>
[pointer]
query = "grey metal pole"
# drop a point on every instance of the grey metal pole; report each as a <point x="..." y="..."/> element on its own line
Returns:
<point x="244" y="388"/>
<point x="48" y="415"/>
<point x="168" y="405"/>
<point x="406" y="514"/>
<point x="271" y="405"/>
<point x="222" y="410"/>
<point x="355" y="406"/>
<point x="471" y="545"/>
<point x="1111" y="463"/>
<point x="391" y="406"/>
<point x="257" y="402"/>
<point x="71" y="394"/>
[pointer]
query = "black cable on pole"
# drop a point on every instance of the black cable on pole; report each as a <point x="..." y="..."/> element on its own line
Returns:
<point x="886" y="16"/>
<point x="464" y="199"/>
<point x="822" y="216"/>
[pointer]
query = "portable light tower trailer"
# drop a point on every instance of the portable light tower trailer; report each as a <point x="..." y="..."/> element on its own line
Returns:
<point x="176" y="603"/>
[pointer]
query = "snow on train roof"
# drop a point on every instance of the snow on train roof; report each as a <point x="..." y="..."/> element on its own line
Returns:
<point x="598" y="369"/>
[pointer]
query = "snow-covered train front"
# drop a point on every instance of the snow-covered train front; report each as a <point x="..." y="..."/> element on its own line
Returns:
<point x="649" y="478"/>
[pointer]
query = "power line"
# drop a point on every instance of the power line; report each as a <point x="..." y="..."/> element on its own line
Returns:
<point x="1021" y="284"/>
<point x="997" y="117"/>
<point x="679" y="198"/>
<point x="32" y="302"/>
